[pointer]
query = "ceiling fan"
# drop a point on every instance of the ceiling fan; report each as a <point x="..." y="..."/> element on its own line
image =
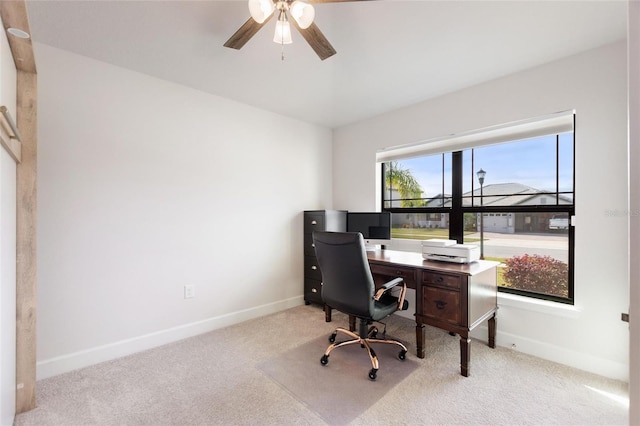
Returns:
<point x="302" y="13"/>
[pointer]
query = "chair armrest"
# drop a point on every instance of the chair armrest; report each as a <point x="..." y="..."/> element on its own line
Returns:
<point x="388" y="285"/>
<point x="391" y="284"/>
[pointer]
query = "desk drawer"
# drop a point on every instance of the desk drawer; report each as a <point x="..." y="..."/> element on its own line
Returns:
<point x="440" y="304"/>
<point x="441" y="280"/>
<point x="409" y="274"/>
<point x="311" y="268"/>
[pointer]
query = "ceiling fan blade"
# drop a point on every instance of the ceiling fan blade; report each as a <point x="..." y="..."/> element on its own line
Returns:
<point x="333" y="1"/>
<point x="244" y="33"/>
<point x="316" y="40"/>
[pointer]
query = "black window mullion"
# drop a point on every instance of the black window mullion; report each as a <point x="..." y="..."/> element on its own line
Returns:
<point x="456" y="217"/>
<point x="442" y="183"/>
<point x="383" y="167"/>
<point x="557" y="169"/>
<point x="473" y="182"/>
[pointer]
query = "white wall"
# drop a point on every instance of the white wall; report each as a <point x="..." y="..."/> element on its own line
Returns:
<point x="634" y="209"/>
<point x="7" y="288"/>
<point x="145" y="186"/>
<point x="591" y="336"/>
<point x="7" y="246"/>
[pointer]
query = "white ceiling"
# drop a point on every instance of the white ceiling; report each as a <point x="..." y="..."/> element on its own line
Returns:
<point x="390" y="53"/>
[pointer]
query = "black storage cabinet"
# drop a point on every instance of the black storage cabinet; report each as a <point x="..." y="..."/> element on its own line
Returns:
<point x="318" y="220"/>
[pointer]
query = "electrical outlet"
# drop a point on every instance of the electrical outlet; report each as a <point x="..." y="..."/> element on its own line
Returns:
<point x="189" y="291"/>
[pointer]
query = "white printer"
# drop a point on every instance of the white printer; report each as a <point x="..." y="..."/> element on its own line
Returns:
<point x="449" y="251"/>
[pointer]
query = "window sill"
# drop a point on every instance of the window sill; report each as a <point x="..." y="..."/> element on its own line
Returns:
<point x="537" y="305"/>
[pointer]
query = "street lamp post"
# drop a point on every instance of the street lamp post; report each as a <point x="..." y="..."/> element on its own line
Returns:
<point x="481" y="174"/>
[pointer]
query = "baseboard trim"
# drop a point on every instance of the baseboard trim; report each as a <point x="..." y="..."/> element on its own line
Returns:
<point x="564" y="356"/>
<point x="73" y="361"/>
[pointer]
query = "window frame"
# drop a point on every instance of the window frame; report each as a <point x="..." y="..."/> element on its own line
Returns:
<point x="457" y="211"/>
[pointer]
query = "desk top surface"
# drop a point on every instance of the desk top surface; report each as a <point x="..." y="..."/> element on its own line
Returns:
<point x="416" y="260"/>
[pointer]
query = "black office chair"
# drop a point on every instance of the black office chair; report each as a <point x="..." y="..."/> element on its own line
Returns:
<point x="347" y="285"/>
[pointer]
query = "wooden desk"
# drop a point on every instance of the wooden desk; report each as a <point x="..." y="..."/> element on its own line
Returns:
<point x="452" y="297"/>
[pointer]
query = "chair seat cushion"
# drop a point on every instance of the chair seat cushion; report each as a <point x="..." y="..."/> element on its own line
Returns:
<point x="384" y="307"/>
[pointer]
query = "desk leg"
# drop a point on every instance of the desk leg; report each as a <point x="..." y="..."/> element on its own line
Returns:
<point x="420" y="340"/>
<point x="352" y="323"/>
<point x="327" y="313"/>
<point x="492" y="331"/>
<point x="465" y="355"/>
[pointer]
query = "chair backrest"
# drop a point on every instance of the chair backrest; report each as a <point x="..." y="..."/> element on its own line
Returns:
<point x="347" y="283"/>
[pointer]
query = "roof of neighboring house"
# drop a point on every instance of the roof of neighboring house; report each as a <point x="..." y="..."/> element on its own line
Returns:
<point x="503" y="194"/>
<point x="497" y="194"/>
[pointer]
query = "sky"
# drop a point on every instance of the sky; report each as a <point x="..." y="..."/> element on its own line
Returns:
<point x="531" y="162"/>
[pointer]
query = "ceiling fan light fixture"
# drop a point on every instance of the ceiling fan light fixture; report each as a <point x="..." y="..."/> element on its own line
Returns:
<point x="303" y="16"/>
<point x="260" y="10"/>
<point x="283" y="30"/>
<point x="303" y="13"/>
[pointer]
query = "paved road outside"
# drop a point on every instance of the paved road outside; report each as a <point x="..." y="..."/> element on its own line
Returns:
<point x="509" y="245"/>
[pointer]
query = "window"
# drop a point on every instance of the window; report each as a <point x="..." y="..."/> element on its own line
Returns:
<point x="519" y="213"/>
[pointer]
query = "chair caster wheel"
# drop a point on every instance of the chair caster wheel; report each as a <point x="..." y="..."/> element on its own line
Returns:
<point x="402" y="355"/>
<point x="324" y="360"/>
<point x="373" y="373"/>
<point x="373" y="333"/>
<point x="332" y="338"/>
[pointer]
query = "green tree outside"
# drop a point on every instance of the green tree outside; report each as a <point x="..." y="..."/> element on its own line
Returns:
<point x="407" y="186"/>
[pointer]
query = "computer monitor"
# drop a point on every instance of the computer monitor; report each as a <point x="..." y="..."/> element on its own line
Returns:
<point x="375" y="227"/>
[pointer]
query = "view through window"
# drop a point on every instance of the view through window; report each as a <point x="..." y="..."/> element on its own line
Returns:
<point x="513" y="199"/>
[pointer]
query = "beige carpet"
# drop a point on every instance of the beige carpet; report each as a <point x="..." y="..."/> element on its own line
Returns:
<point x="216" y="379"/>
<point x="340" y="391"/>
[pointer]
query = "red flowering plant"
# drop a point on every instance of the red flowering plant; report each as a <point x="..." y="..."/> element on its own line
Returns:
<point x="541" y="274"/>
